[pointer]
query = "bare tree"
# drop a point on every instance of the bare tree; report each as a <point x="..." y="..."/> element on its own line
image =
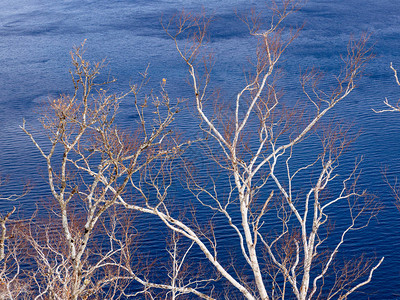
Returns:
<point x="90" y="162"/>
<point x="389" y="106"/>
<point x="392" y="107"/>
<point x="281" y="226"/>
<point x="251" y="167"/>
<point x="13" y="283"/>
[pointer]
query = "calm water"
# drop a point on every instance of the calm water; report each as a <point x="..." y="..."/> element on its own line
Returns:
<point x="36" y="36"/>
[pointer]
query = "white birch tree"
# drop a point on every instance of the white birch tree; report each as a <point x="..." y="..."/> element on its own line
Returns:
<point x="90" y="162"/>
<point x="251" y="167"/>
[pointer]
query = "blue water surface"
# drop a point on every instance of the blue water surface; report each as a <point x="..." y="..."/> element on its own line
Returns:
<point x="37" y="35"/>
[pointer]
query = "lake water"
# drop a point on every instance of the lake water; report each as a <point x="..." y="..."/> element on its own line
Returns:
<point x="37" y="35"/>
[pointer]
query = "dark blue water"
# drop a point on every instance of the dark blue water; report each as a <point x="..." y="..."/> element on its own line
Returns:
<point x="36" y="37"/>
